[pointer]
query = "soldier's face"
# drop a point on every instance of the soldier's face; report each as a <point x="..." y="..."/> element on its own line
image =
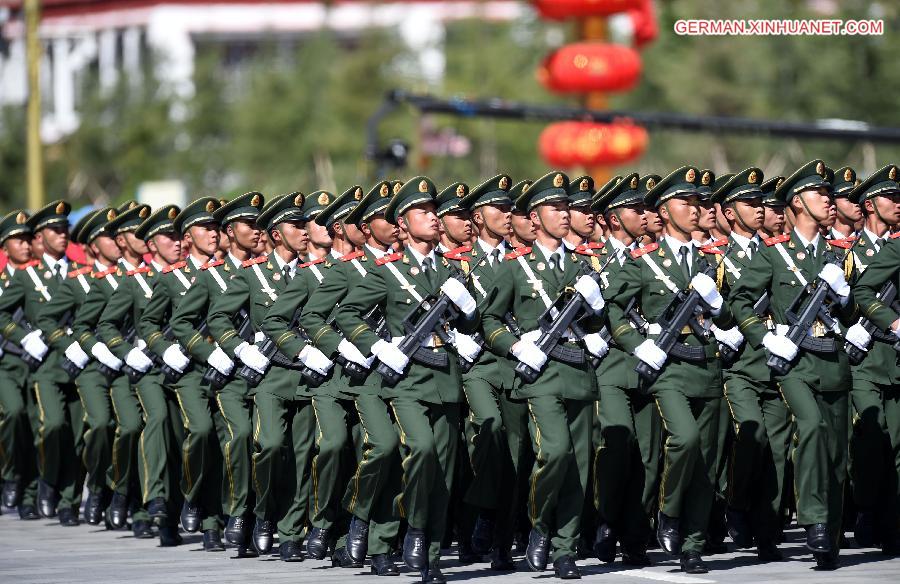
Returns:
<point x="244" y="233"/>
<point x="353" y="234"/>
<point x="773" y="219"/>
<point x="681" y="212"/>
<point x="707" y="218"/>
<point x="751" y="213"/>
<point x="458" y="226"/>
<point x="552" y="218"/>
<point x="382" y="231"/>
<point x="135" y="245"/>
<point x="105" y="249"/>
<point x="885" y="206"/>
<point x="522" y="226"/>
<point x="495" y="218"/>
<point x="848" y="209"/>
<point x="294" y="235"/>
<point x="204" y="238"/>
<point x="55" y="238"/>
<point x="421" y="222"/>
<point x="318" y="234"/>
<point x="167" y="246"/>
<point x="654" y="223"/>
<point x="818" y="203"/>
<point x="633" y="219"/>
<point x="18" y="248"/>
<point x="581" y="220"/>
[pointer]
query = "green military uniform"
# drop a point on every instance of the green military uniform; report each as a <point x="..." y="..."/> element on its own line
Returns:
<point x="201" y="463"/>
<point x="873" y="467"/>
<point x="159" y="463"/>
<point x="626" y="453"/>
<point x="426" y="399"/>
<point x="687" y="393"/>
<point x="280" y="415"/>
<point x="369" y="494"/>
<point x="560" y="401"/>
<point x="59" y="409"/>
<point x="815" y="389"/>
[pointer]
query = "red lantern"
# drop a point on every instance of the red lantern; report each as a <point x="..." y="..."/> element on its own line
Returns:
<point x="563" y="9"/>
<point x="587" y="67"/>
<point x="643" y="19"/>
<point x="567" y="144"/>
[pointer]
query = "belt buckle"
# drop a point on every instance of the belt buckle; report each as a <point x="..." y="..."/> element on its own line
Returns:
<point x="686" y="330"/>
<point x="818" y="329"/>
<point x="436" y="341"/>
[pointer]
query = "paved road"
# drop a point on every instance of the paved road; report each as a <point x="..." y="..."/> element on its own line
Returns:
<point x="42" y="552"/>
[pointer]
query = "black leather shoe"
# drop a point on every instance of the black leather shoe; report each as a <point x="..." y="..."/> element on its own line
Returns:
<point x="190" y="517"/>
<point x="358" y="539"/>
<point x="246" y="552"/>
<point x="212" y="541"/>
<point x="537" y="551"/>
<point x="817" y="539"/>
<point x="93" y="507"/>
<point x="48" y="499"/>
<point x="768" y="552"/>
<point x="415" y="549"/>
<point x="739" y="528"/>
<point x="483" y="535"/>
<point x="605" y="544"/>
<point x="382" y="565"/>
<point x="169" y="536"/>
<point x="263" y="537"/>
<point x="565" y="568"/>
<point x="157" y="509"/>
<point x="68" y="517"/>
<point x="633" y="555"/>
<point x="28" y="513"/>
<point x="142" y="530"/>
<point x="433" y="574"/>
<point x="826" y="561"/>
<point x="668" y="534"/>
<point x="864" y="530"/>
<point x="12" y="494"/>
<point x="117" y="512"/>
<point x="341" y="559"/>
<point x="235" y="530"/>
<point x="466" y="554"/>
<point x="692" y="563"/>
<point x="501" y="560"/>
<point x="290" y="551"/>
<point x="317" y="543"/>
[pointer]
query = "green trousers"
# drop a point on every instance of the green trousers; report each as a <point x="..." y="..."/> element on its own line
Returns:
<point x="235" y="430"/>
<point x="687" y="487"/>
<point x="331" y="465"/>
<point x="560" y="431"/>
<point x="283" y="432"/>
<point x="759" y="451"/>
<point x="122" y="476"/>
<point x="429" y="439"/>
<point x="18" y="458"/>
<point x="820" y="452"/>
<point x="93" y="389"/>
<point x="58" y="439"/>
<point x="875" y="450"/>
<point x="626" y="462"/>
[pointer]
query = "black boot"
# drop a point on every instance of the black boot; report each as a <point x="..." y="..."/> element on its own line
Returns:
<point x="341" y="559"/>
<point x="190" y="517"/>
<point x="157" y="509"/>
<point x="358" y="539"/>
<point x="692" y="563"/>
<point x="12" y="494"/>
<point x="383" y="565"/>
<point x="317" y="543"/>
<point x="668" y="534"/>
<point x="537" y="551"/>
<point x="605" y="544"/>
<point x="93" y="507"/>
<point x="635" y="555"/>
<point x="212" y="541"/>
<point x="263" y="535"/>
<point x="169" y="536"/>
<point x="142" y="530"/>
<point x="117" y="512"/>
<point x="68" y="517"/>
<point x="817" y="539"/>
<point x="433" y="574"/>
<point x="48" y="499"/>
<point x="235" y="530"/>
<point x="28" y="513"/>
<point x="826" y="561"/>
<point x="415" y="549"/>
<point x="290" y="551"/>
<point x="565" y="568"/>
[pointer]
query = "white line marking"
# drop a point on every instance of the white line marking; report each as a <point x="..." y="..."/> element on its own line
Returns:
<point x="663" y="577"/>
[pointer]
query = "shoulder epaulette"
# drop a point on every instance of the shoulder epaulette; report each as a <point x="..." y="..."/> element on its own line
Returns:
<point x="457" y="253"/>
<point x="718" y="242"/>
<point x="894" y="235"/>
<point x="140" y="270"/>
<point x="212" y="264"/>
<point x="711" y="249"/>
<point x="109" y="272"/>
<point x="79" y="272"/>
<point x="312" y="263"/>
<point x="388" y="258"/>
<point x="254" y="261"/>
<point x="587" y="248"/>
<point x="519" y="251"/>
<point x="845" y="243"/>
<point x="638" y="252"/>
<point x="31" y="264"/>
<point x="352" y="255"/>
<point x="175" y="266"/>
<point x="777" y="239"/>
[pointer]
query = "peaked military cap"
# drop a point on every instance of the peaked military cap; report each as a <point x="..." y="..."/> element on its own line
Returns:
<point x="246" y="206"/>
<point x="315" y="203"/>
<point x="581" y="191"/>
<point x="517" y="189"/>
<point x="706" y="181"/>
<point x="742" y="186"/>
<point x="280" y="209"/>
<point x="414" y="192"/>
<point x="52" y="214"/>
<point x="603" y="190"/>
<point x="680" y="183"/>
<point x="494" y="191"/>
<point x="197" y="213"/>
<point x="75" y="230"/>
<point x="880" y="182"/>
<point x="126" y="206"/>
<point x="96" y="225"/>
<point x="160" y="221"/>
<point x="15" y="223"/>
<point x="129" y="219"/>
<point x="375" y="202"/>
<point x="623" y="193"/>
<point x="810" y="176"/>
<point x="550" y="188"/>
<point x="450" y="199"/>
<point x="843" y="181"/>
<point x="341" y="206"/>
<point x="768" y="191"/>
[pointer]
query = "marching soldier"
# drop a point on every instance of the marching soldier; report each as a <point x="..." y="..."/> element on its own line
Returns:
<point x="523" y="231"/>
<point x="581" y="218"/>
<point x="849" y="213"/>
<point x="455" y="221"/>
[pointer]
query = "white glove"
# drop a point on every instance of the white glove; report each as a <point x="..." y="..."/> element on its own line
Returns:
<point x="459" y="295"/>
<point x="141" y="344"/>
<point x="595" y="345"/>
<point x="650" y="354"/>
<point x="137" y="360"/>
<point x="529" y="353"/>
<point x="174" y="358"/>
<point x="34" y="345"/>
<point x="590" y="291"/>
<point x="251" y="356"/>
<point x="102" y="353"/>
<point x="466" y="347"/>
<point x="731" y="337"/>
<point x="220" y="361"/>
<point x="706" y="288"/>
<point x="2" y="352"/>
<point x="896" y="332"/>
<point x="834" y="276"/>
<point x="858" y="336"/>
<point x="315" y="360"/>
<point x="76" y="355"/>
<point x="780" y="345"/>
<point x="390" y="355"/>
<point x="349" y="352"/>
